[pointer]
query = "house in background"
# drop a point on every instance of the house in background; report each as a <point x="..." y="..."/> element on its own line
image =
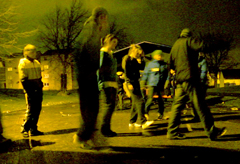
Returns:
<point x="225" y="78"/>
<point x="51" y="68"/>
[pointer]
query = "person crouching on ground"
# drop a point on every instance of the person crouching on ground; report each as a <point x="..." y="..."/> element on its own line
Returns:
<point x="132" y="68"/>
<point x="30" y="76"/>
<point x="107" y="83"/>
<point x="154" y="74"/>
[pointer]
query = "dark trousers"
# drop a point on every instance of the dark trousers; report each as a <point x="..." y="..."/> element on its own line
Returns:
<point x="151" y="91"/>
<point x="138" y="105"/>
<point x="34" y="107"/>
<point x="1" y="128"/>
<point x="183" y="93"/>
<point x="108" y="101"/>
<point x="89" y="106"/>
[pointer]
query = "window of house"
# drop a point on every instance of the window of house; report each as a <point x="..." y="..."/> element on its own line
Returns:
<point x="46" y="84"/>
<point x="9" y="69"/>
<point x="46" y="75"/>
<point x="45" y="67"/>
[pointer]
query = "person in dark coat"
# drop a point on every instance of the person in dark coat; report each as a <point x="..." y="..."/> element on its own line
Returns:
<point x="87" y="56"/>
<point x="132" y="65"/>
<point x="184" y="60"/>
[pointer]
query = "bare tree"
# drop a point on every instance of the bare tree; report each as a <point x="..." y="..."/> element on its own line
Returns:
<point x="9" y="28"/>
<point x="60" y="31"/>
<point x="124" y="39"/>
<point x="216" y="48"/>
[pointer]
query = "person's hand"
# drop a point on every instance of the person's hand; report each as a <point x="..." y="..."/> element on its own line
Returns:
<point x="130" y="86"/>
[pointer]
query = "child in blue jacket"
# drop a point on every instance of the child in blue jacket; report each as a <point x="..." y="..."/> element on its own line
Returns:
<point x="155" y="75"/>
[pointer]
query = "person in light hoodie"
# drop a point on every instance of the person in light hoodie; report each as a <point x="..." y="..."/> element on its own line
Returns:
<point x="30" y="76"/>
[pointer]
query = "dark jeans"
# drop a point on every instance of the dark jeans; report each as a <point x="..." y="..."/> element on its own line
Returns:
<point x="183" y="93"/>
<point x="138" y="105"/>
<point x="89" y="106"/>
<point x="151" y="91"/>
<point x="1" y="128"/>
<point x="108" y="101"/>
<point x="34" y="107"/>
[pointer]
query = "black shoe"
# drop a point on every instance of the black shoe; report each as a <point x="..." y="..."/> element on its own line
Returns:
<point x="178" y="136"/>
<point x="36" y="133"/>
<point x="109" y="133"/>
<point x="217" y="132"/>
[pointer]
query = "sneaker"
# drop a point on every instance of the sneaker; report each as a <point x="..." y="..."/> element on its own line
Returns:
<point x="146" y="116"/>
<point x="131" y="125"/>
<point x="178" y="136"/>
<point x="147" y="124"/>
<point x="109" y="133"/>
<point x="160" y="116"/>
<point x="25" y="134"/>
<point x="82" y="144"/>
<point x="36" y="133"/>
<point x="217" y="132"/>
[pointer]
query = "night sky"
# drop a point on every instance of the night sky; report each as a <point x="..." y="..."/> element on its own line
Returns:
<point x="159" y="21"/>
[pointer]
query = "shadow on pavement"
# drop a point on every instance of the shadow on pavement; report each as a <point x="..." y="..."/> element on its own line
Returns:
<point x="120" y="155"/>
<point x="63" y="131"/>
<point x="23" y="144"/>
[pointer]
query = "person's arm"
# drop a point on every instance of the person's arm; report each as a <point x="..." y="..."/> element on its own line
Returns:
<point x="23" y="76"/>
<point x="203" y="73"/>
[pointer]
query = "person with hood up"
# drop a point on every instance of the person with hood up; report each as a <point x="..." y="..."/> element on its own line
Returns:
<point x="184" y="60"/>
<point x="30" y="76"/>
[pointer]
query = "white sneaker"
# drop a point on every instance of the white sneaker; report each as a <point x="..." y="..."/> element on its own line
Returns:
<point x="131" y="125"/>
<point x="147" y="124"/>
<point x="146" y="116"/>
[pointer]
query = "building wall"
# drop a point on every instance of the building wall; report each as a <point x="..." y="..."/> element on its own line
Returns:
<point x="51" y="74"/>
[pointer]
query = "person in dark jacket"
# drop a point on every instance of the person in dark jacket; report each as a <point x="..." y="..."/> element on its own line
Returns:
<point x="30" y="76"/>
<point x="86" y="58"/>
<point x="184" y="60"/>
<point x="154" y="75"/>
<point x="132" y="67"/>
<point x="107" y="82"/>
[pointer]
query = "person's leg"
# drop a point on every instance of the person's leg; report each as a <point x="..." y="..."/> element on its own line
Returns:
<point x="89" y="107"/>
<point x="149" y="99"/>
<point x="108" y="97"/>
<point x="133" y="111"/>
<point x="178" y="105"/>
<point x="203" y="111"/>
<point x="35" y="114"/>
<point x="160" y="103"/>
<point x="30" y="100"/>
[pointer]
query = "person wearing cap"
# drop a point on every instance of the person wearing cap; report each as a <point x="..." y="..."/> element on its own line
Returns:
<point x="154" y="75"/>
<point x="184" y="60"/>
<point x="29" y="69"/>
<point x="87" y="59"/>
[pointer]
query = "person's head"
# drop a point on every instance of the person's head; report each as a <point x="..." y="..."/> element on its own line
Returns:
<point x="110" y="41"/>
<point x="135" y="51"/>
<point x="157" y="54"/>
<point x="30" y="51"/>
<point x="100" y="16"/>
<point x="185" y="33"/>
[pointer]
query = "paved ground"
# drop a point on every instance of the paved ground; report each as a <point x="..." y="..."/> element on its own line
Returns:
<point x="60" y="123"/>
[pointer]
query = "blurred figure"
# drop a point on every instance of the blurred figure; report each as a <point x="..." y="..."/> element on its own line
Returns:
<point x="153" y="75"/>
<point x="107" y="82"/>
<point x="184" y="60"/>
<point x="87" y="57"/>
<point x="132" y="66"/>
<point x="30" y="76"/>
<point x="2" y="139"/>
